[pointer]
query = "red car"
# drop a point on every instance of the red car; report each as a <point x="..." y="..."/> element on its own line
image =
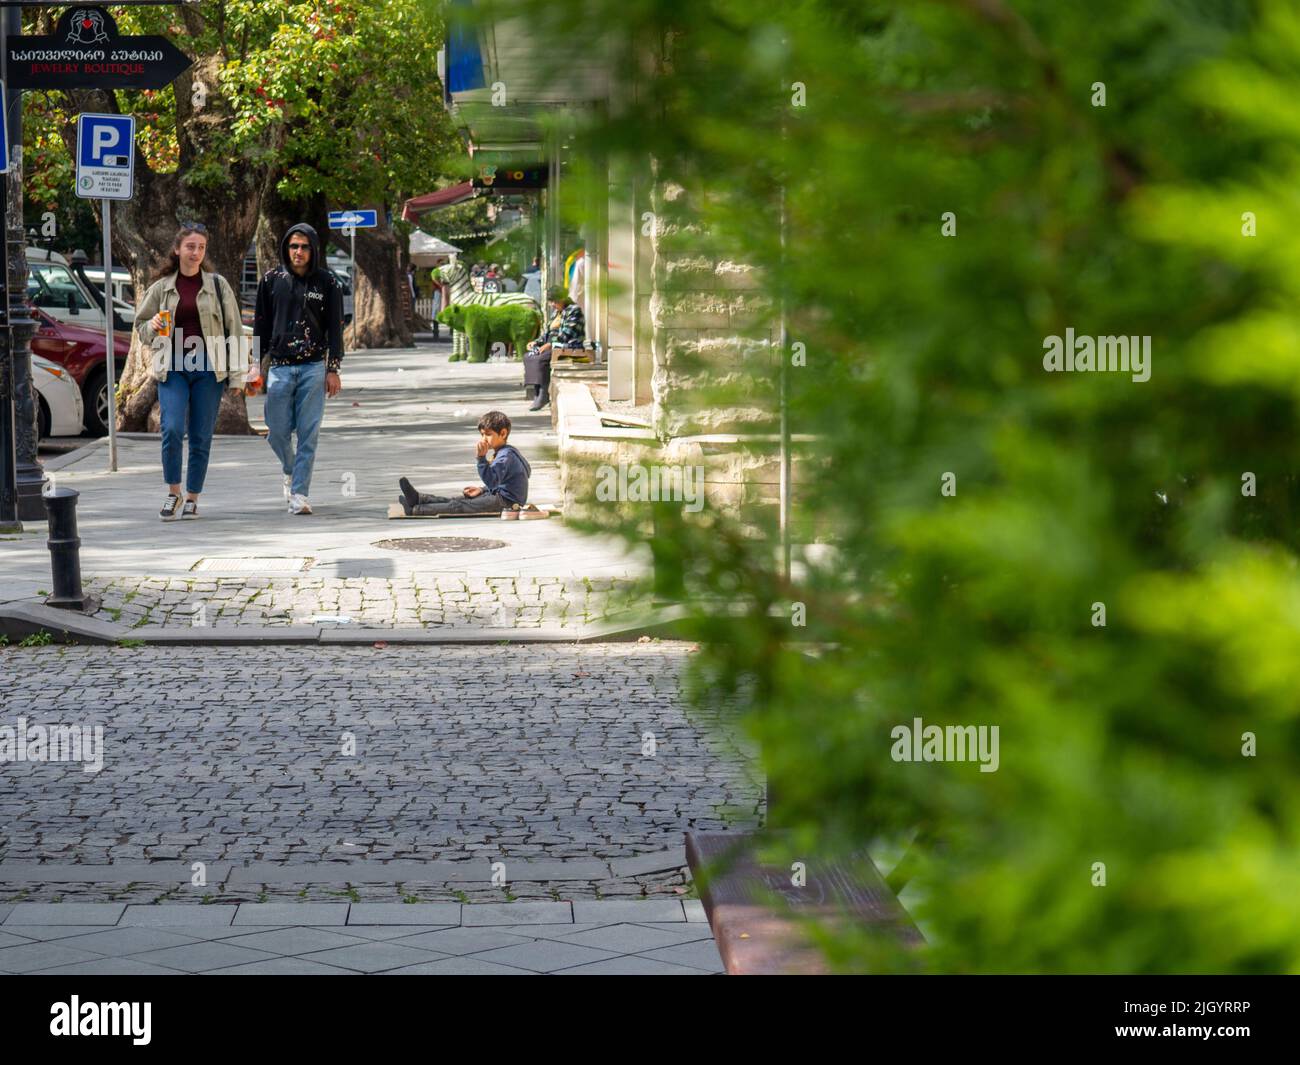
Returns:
<point x="81" y="352"/>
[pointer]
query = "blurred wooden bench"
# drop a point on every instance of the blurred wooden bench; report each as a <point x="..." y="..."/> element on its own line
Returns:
<point x="753" y="936"/>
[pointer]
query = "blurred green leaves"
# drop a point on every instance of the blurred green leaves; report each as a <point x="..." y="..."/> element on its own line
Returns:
<point x="1121" y="744"/>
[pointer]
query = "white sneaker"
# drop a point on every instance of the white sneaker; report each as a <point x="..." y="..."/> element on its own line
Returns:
<point x="298" y="504"/>
<point x="288" y="484"/>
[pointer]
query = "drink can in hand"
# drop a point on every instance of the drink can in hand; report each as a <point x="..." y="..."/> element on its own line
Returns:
<point x="166" y="329"/>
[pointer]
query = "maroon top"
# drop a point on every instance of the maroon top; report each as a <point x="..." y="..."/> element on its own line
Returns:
<point x="187" y="310"/>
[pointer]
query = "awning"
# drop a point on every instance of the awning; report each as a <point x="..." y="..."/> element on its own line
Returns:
<point x="426" y="250"/>
<point x="418" y="205"/>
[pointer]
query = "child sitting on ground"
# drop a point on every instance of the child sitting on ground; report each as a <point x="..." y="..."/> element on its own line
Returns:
<point x="505" y="477"/>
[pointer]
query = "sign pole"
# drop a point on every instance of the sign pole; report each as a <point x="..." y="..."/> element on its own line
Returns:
<point x="347" y="223"/>
<point x="108" y="336"/>
<point x="106" y="172"/>
<point x="352" y="232"/>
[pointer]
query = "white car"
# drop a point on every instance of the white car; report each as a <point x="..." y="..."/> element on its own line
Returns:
<point x="55" y="289"/>
<point x="60" y="410"/>
<point x="342" y="270"/>
<point x="123" y="289"/>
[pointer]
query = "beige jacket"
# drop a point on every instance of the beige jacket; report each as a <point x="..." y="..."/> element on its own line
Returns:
<point x="229" y="353"/>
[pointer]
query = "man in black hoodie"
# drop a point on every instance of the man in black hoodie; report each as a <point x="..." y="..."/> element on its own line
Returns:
<point x="299" y="323"/>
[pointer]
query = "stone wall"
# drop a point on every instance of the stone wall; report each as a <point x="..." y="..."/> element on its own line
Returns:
<point x="714" y="369"/>
<point x="714" y="378"/>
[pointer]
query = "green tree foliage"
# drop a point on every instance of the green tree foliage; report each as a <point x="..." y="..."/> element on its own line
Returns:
<point x="338" y="97"/>
<point x="465" y="225"/>
<point x="357" y="87"/>
<point x="1126" y="744"/>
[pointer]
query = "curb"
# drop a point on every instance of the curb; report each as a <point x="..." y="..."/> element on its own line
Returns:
<point x="22" y="619"/>
<point x="53" y="465"/>
<point x="478" y="871"/>
<point x="252" y="915"/>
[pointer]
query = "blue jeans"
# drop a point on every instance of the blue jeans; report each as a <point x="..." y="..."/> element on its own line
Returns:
<point x="295" y="402"/>
<point x="188" y="401"/>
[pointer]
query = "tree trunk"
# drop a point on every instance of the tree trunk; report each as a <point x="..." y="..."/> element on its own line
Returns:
<point x="377" y="320"/>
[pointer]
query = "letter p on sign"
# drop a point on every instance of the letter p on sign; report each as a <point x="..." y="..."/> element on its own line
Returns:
<point x="102" y="137"/>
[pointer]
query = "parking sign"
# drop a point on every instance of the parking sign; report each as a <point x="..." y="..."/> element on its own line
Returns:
<point x="105" y="157"/>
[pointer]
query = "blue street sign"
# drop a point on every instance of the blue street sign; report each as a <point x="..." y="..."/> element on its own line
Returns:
<point x="357" y="219"/>
<point x="4" y="130"/>
<point x="105" y="156"/>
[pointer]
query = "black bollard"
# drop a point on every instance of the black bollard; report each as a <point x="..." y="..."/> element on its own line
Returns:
<point x="65" y="550"/>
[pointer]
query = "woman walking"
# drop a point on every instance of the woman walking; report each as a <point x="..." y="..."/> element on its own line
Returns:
<point x="189" y="318"/>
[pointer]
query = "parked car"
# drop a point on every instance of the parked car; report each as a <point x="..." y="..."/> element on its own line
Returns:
<point x="54" y="288"/>
<point x="342" y="269"/>
<point x="349" y="302"/>
<point x="80" y="351"/>
<point x="59" y="405"/>
<point x="123" y="289"/>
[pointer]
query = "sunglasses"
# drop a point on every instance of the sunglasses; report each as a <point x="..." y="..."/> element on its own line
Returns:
<point x="194" y="227"/>
<point x="300" y="247"/>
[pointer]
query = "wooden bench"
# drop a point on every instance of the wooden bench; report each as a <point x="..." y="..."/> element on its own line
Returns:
<point x="753" y="936"/>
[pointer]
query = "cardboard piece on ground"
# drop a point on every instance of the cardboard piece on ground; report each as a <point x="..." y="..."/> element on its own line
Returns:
<point x="395" y="511"/>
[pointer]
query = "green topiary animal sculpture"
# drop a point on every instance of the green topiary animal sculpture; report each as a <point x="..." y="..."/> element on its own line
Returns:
<point x="485" y="326"/>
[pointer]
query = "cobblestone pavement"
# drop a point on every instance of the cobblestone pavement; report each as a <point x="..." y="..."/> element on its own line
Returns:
<point x="413" y="601"/>
<point x="461" y="753"/>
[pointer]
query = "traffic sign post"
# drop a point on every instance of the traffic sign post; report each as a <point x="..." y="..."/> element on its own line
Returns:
<point x="360" y="219"/>
<point x="349" y="222"/>
<point x="106" y="171"/>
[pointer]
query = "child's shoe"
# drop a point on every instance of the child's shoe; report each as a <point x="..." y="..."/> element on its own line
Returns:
<point x="410" y="497"/>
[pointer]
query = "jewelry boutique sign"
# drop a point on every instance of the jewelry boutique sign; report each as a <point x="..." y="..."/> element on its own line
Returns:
<point x="85" y="51"/>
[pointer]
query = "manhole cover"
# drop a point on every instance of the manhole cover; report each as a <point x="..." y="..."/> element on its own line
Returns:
<point x="251" y="565"/>
<point x="436" y="544"/>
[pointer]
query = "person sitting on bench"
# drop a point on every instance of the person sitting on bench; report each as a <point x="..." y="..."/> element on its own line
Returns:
<point x="566" y="331"/>
<point x="505" y="477"/>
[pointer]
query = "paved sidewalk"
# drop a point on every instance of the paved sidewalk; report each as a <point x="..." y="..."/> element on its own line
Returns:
<point x="247" y="562"/>
<point x="651" y="938"/>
